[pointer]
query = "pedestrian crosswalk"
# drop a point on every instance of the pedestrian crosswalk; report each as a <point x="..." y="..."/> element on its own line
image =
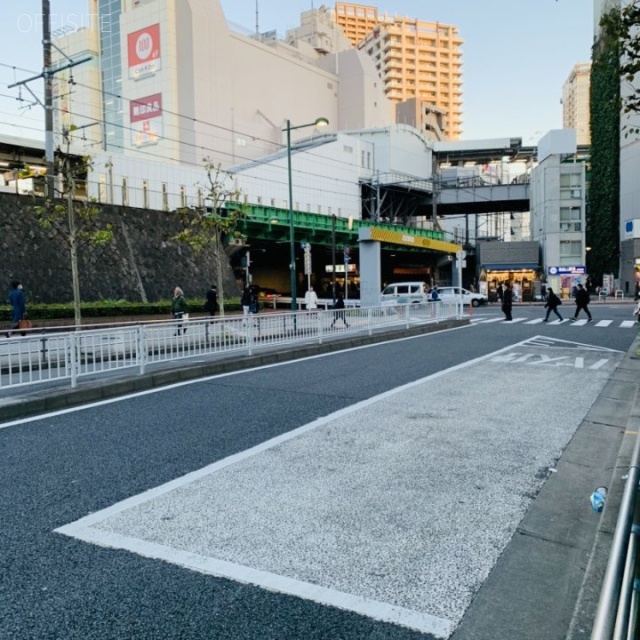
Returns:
<point x="622" y="324"/>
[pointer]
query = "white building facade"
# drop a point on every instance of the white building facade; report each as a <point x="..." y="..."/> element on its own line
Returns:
<point x="179" y="85"/>
<point x="557" y="194"/>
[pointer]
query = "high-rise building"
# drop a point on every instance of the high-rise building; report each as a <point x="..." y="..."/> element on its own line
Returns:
<point x="575" y="102"/>
<point x="415" y="59"/>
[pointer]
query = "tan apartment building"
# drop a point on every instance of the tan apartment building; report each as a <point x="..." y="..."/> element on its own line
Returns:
<point x="415" y="58"/>
<point x="575" y="102"/>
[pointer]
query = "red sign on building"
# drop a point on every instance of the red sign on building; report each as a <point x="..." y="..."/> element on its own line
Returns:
<point x="145" y="115"/>
<point x="143" y="48"/>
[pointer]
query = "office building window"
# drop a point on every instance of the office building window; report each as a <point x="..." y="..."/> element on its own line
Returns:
<point x="165" y="197"/>
<point x="570" y="252"/>
<point x="570" y="219"/>
<point x="570" y="186"/>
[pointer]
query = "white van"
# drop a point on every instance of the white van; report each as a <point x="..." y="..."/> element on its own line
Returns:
<point x="404" y="293"/>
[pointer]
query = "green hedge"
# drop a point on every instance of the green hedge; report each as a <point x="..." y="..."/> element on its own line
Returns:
<point x="110" y="309"/>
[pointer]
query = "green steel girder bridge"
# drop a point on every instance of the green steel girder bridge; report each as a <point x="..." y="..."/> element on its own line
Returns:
<point x="271" y="224"/>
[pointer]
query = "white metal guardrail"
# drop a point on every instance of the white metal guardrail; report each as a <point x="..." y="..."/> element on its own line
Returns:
<point x="35" y="357"/>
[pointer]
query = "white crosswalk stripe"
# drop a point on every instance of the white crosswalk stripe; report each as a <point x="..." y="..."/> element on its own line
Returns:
<point x="623" y="324"/>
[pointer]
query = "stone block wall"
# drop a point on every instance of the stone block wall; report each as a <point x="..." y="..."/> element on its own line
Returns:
<point x="141" y="261"/>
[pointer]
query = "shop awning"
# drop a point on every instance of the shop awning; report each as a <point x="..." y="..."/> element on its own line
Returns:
<point x="512" y="266"/>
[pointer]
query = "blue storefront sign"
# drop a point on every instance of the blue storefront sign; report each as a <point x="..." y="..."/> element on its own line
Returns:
<point x="578" y="270"/>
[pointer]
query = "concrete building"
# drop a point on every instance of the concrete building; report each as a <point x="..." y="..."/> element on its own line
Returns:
<point x="575" y="102"/>
<point x="179" y="85"/>
<point x="415" y="58"/>
<point x="558" y="210"/>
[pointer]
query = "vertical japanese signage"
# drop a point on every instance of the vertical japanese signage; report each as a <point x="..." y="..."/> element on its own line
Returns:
<point x="146" y="120"/>
<point x="143" y="47"/>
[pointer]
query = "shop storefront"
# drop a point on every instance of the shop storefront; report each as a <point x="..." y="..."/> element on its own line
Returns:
<point x="525" y="278"/>
<point x="563" y="279"/>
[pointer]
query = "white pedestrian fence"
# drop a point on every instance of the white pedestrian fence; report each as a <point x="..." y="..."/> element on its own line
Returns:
<point x="38" y="356"/>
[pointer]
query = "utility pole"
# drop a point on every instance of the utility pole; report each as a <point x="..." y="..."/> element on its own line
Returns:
<point x="47" y="74"/>
<point x="48" y="96"/>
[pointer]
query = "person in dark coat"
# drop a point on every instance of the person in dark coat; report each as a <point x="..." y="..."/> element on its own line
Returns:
<point x="582" y="302"/>
<point x="507" y="302"/>
<point x="500" y="293"/>
<point x="17" y="302"/>
<point x="211" y="305"/>
<point x="246" y="300"/>
<point x="340" y="314"/>
<point x="553" y="302"/>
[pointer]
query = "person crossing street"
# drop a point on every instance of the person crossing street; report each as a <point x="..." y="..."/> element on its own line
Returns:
<point x="582" y="302"/>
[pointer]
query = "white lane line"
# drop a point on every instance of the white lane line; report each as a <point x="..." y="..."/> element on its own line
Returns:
<point x="603" y="323"/>
<point x="627" y="324"/>
<point x="536" y="321"/>
<point x="423" y="622"/>
<point x="579" y="323"/>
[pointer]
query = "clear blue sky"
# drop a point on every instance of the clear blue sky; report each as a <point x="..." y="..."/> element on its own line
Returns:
<point x="517" y="54"/>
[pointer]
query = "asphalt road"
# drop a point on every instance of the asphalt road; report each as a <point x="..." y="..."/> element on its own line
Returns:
<point x="60" y="468"/>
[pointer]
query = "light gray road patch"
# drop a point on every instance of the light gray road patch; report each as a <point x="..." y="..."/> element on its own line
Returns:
<point x="396" y="508"/>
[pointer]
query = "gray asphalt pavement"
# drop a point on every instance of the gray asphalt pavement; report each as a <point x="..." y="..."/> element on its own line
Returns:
<point x="435" y="486"/>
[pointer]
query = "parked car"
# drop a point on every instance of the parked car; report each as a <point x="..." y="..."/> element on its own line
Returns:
<point x="453" y="294"/>
<point x="265" y="293"/>
<point x="404" y="293"/>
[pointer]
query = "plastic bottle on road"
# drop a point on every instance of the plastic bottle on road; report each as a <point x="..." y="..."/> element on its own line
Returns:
<point x="598" y="498"/>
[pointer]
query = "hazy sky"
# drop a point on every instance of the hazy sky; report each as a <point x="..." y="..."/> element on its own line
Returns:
<point x="516" y="56"/>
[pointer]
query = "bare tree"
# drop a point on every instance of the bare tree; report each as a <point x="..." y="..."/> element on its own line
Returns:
<point x="207" y="227"/>
<point x="76" y="220"/>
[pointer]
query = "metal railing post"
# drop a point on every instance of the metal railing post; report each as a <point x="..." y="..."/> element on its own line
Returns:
<point x="141" y="348"/>
<point x="605" y="620"/>
<point x="73" y="358"/>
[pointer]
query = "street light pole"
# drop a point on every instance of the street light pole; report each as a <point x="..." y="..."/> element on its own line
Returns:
<point x="292" y="240"/>
<point x="320" y="122"/>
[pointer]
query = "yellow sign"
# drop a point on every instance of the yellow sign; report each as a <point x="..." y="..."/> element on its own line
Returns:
<point x="408" y="240"/>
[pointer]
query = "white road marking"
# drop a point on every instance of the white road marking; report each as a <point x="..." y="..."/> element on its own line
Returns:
<point x="131" y="524"/>
<point x="603" y="323"/>
<point x="627" y="324"/>
<point x="579" y="323"/>
<point x="536" y="321"/>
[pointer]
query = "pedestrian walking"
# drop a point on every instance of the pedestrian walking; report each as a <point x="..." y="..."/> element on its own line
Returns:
<point x="636" y="312"/>
<point x="17" y="302"/>
<point x="552" y="304"/>
<point x="179" y="309"/>
<point x="582" y="302"/>
<point x="246" y="300"/>
<point x="311" y="300"/>
<point x="507" y="302"/>
<point x="211" y="305"/>
<point x="340" y="313"/>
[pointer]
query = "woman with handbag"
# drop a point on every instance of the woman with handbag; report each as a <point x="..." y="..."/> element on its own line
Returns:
<point x="553" y="302"/>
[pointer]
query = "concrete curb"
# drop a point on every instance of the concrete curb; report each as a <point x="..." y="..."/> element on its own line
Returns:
<point x="589" y="595"/>
<point x="42" y="401"/>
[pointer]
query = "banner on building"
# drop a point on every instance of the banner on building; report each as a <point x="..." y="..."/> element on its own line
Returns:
<point x="143" y="47"/>
<point x="146" y="120"/>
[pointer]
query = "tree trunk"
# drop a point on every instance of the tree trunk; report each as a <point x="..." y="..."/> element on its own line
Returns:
<point x="219" y="275"/>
